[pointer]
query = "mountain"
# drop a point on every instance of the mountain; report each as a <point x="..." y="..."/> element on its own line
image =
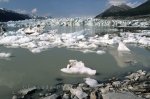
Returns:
<point x="142" y="10"/>
<point x="9" y="15"/>
<point x="114" y="9"/>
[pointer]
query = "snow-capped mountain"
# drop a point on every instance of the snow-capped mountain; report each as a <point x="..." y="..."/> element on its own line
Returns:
<point x="126" y="11"/>
<point x="114" y="9"/>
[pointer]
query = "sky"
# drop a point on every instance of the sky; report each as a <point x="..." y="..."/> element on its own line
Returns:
<point x="64" y="8"/>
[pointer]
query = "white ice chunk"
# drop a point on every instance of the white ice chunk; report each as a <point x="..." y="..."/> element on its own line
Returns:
<point x="78" y="67"/>
<point x="8" y="40"/>
<point x="87" y="51"/>
<point x="100" y="52"/>
<point x="122" y="47"/>
<point x="5" y="55"/>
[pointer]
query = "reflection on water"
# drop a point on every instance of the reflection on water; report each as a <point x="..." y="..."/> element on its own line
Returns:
<point x="93" y="29"/>
<point x="123" y="59"/>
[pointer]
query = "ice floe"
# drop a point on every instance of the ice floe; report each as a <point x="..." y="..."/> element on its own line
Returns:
<point x="35" y="36"/>
<point x="122" y="47"/>
<point x="5" y="55"/>
<point x="78" y="67"/>
<point x="100" y="52"/>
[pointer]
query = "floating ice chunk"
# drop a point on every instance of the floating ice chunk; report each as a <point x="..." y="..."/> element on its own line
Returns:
<point x="29" y="31"/>
<point x="144" y="41"/>
<point x="36" y="50"/>
<point x="100" y="52"/>
<point x="8" y="40"/>
<point x="80" y="37"/>
<point x="87" y="51"/>
<point x="78" y="67"/>
<point x="106" y="36"/>
<point x="122" y="47"/>
<point x="33" y="30"/>
<point x="5" y="55"/>
<point x="29" y="45"/>
<point x="91" y="82"/>
<point x="79" y="93"/>
<point x="23" y="40"/>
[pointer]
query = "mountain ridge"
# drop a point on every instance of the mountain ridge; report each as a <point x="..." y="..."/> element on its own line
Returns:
<point x="10" y="15"/>
<point x="141" y="10"/>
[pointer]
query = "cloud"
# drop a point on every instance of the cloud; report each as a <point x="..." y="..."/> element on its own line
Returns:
<point x="4" y="0"/>
<point x="117" y="2"/>
<point x="34" y="11"/>
<point x="134" y="4"/>
<point x="128" y="2"/>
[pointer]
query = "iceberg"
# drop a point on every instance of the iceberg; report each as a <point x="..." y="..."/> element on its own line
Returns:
<point x="100" y="52"/>
<point x="122" y="47"/>
<point x="5" y="55"/>
<point x="77" y="67"/>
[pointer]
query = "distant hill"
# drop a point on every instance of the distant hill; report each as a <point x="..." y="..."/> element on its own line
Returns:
<point x="8" y="15"/>
<point x="114" y="9"/>
<point x="142" y="10"/>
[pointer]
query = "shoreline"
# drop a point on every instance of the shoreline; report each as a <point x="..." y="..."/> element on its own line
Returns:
<point x="136" y="85"/>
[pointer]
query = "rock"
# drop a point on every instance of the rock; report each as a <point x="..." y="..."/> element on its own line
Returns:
<point x="54" y="96"/>
<point x="67" y="87"/>
<point x="116" y="83"/>
<point x="66" y="96"/>
<point x="91" y="82"/>
<point x="26" y="91"/>
<point x="41" y="94"/>
<point x="141" y="72"/>
<point x="146" y="84"/>
<point x="104" y="90"/>
<point x="75" y="97"/>
<point x="93" y="95"/>
<point x="82" y="85"/>
<point x="123" y="95"/>
<point x="147" y="96"/>
<point x="86" y="89"/>
<point x="133" y="76"/>
<point x="78" y="93"/>
<point x="142" y="78"/>
<point x="14" y="97"/>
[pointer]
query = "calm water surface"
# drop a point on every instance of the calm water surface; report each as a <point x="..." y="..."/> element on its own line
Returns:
<point x="27" y="69"/>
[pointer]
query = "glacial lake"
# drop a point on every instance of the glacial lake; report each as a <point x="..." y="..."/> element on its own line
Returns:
<point x="25" y="69"/>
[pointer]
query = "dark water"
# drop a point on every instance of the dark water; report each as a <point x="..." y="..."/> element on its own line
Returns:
<point x="27" y="69"/>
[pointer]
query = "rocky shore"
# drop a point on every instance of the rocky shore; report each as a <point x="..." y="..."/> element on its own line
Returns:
<point x="133" y="86"/>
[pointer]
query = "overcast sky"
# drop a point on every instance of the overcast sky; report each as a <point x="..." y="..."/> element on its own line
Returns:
<point x="63" y="8"/>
